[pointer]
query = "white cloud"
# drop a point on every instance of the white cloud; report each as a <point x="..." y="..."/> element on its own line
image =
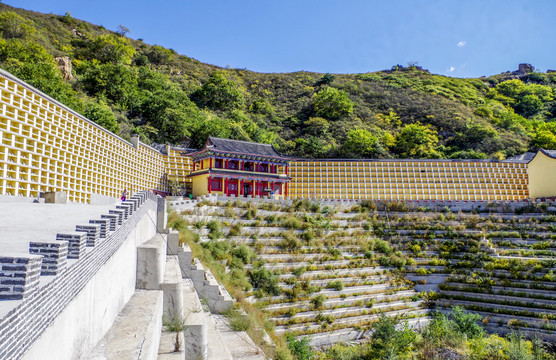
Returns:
<point x="451" y="69"/>
<point x="462" y="43"/>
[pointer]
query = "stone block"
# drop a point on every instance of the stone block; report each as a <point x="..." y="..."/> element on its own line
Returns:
<point x="93" y="233"/>
<point x="77" y="241"/>
<point x="184" y="256"/>
<point x="113" y="221"/>
<point x="55" y="255"/>
<point x="119" y="213"/>
<point x="55" y="197"/>
<point x="104" y="226"/>
<point x="127" y="208"/>
<point x="172" y="288"/>
<point x="19" y="275"/>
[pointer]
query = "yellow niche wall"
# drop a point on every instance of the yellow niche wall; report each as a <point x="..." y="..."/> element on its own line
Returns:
<point x="45" y="146"/>
<point x="409" y="180"/>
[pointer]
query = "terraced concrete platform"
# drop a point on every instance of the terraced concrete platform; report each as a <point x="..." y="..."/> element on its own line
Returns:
<point x="23" y="222"/>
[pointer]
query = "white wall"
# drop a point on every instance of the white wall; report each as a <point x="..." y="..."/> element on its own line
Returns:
<point x="76" y="331"/>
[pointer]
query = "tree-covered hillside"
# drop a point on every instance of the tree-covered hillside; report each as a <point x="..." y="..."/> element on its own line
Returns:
<point x="132" y="87"/>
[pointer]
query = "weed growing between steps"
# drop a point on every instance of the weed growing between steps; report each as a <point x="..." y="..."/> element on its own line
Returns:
<point x="328" y="273"/>
<point x="243" y="316"/>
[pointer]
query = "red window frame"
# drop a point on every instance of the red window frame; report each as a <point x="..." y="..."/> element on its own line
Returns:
<point x="216" y="184"/>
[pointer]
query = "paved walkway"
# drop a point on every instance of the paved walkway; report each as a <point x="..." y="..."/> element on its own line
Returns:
<point x="23" y="222"/>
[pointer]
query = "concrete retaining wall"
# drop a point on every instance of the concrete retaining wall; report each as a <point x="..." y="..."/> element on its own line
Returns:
<point x="67" y="314"/>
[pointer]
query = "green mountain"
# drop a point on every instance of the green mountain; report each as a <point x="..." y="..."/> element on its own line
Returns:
<point x="132" y="87"/>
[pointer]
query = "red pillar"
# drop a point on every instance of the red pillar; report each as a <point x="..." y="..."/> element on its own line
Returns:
<point x="256" y="185"/>
<point x="209" y="184"/>
<point x="287" y="169"/>
<point x="194" y="163"/>
<point x="226" y="164"/>
<point x="241" y="188"/>
<point x="225" y="186"/>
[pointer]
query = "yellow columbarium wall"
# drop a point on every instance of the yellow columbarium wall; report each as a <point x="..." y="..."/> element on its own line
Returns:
<point x="178" y="165"/>
<point x="45" y="146"/>
<point x="409" y="180"/>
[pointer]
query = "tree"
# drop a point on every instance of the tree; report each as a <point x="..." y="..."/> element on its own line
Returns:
<point x="16" y="26"/>
<point x="106" y="48"/>
<point x="326" y="79"/>
<point x="316" y="126"/>
<point x="543" y="139"/>
<point x="159" y="55"/>
<point x="116" y="82"/>
<point x="101" y="114"/>
<point x="529" y="105"/>
<point x="332" y="103"/>
<point x="363" y="143"/>
<point x="219" y="93"/>
<point x="417" y="141"/>
<point x="122" y="30"/>
<point x="262" y="107"/>
<point x="32" y="63"/>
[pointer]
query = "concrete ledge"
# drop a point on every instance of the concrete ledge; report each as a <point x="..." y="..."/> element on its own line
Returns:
<point x="135" y="335"/>
<point x="172" y="289"/>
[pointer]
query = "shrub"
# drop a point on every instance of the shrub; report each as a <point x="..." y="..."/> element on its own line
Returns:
<point x="235" y="229"/>
<point x="244" y="253"/>
<point x="300" y="348"/>
<point x="466" y="323"/>
<point x="383" y="247"/>
<point x="264" y="280"/>
<point x="300" y="270"/>
<point x="292" y="222"/>
<point x="318" y="301"/>
<point x="369" y="205"/>
<point x="290" y="242"/>
<point x="239" y="321"/>
<point x="421" y="271"/>
<point x="337" y="284"/>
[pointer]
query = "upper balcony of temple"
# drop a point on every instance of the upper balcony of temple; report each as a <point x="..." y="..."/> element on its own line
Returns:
<point x="239" y="157"/>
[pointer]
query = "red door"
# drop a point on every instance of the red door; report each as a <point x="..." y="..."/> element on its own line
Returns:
<point x="232" y="187"/>
<point x="262" y="187"/>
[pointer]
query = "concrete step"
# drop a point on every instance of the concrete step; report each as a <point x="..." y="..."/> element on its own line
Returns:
<point x="217" y="349"/>
<point x="238" y="342"/>
<point x="135" y="332"/>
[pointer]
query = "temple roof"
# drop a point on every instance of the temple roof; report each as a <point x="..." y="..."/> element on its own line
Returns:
<point x="241" y="147"/>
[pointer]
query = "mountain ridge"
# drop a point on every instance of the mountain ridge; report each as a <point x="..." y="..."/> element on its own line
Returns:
<point x="131" y="87"/>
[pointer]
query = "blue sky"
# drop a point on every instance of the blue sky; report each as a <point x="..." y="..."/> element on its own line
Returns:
<point x="465" y="38"/>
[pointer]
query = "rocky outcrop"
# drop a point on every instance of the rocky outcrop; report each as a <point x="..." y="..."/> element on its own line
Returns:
<point x="524" y="69"/>
<point x="64" y="64"/>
